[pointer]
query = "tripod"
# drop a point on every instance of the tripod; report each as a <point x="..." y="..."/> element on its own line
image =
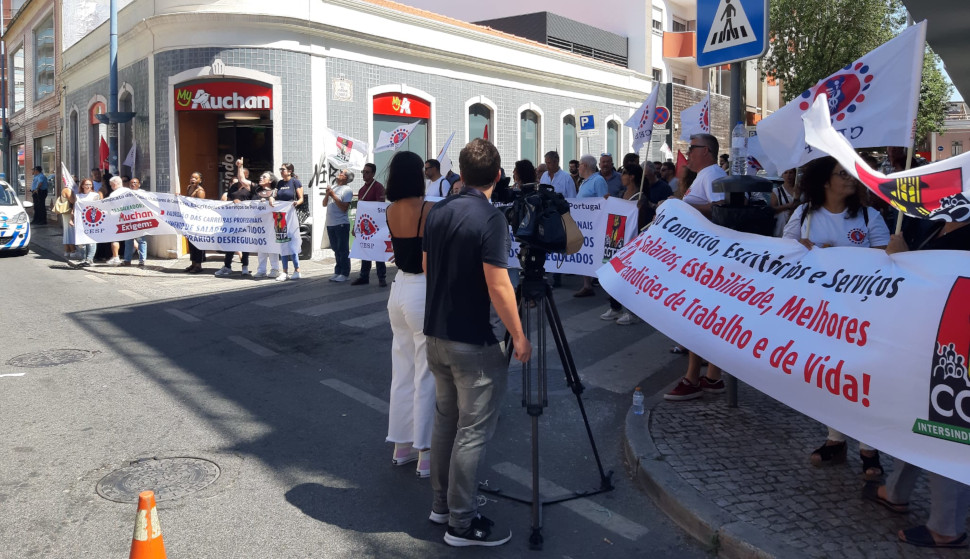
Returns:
<point x="536" y="306"/>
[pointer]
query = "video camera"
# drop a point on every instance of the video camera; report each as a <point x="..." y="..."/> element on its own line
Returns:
<point x="536" y="214"/>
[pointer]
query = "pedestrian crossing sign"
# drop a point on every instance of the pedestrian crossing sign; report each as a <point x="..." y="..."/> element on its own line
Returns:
<point x="731" y="31"/>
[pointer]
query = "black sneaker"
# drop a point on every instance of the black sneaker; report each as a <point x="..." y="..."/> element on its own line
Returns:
<point x="479" y="533"/>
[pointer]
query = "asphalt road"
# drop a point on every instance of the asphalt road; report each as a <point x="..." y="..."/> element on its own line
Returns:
<point x="285" y="388"/>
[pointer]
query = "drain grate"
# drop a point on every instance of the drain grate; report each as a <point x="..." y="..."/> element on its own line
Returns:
<point x="51" y="358"/>
<point x="169" y="478"/>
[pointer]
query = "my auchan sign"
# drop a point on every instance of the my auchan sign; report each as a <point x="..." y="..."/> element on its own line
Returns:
<point x="223" y="96"/>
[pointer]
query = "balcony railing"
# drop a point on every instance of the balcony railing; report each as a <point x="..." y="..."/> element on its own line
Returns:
<point x="680" y="45"/>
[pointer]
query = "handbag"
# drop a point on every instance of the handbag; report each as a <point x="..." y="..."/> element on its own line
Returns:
<point x="574" y="237"/>
<point x="61" y="206"/>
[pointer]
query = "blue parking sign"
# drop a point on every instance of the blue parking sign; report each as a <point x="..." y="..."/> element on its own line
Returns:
<point x="731" y="31"/>
<point x="587" y="122"/>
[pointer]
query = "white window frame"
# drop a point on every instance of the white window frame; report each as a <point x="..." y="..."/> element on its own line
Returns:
<point x="518" y="130"/>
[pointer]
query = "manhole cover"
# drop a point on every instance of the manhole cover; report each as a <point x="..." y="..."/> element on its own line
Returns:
<point x="169" y="478"/>
<point x="51" y="358"/>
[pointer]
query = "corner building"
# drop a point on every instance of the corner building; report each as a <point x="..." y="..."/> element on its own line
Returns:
<point x="210" y="82"/>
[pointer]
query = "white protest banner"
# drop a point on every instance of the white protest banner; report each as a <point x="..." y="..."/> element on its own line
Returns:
<point x="372" y="240"/>
<point x="252" y="226"/>
<point x="936" y="191"/>
<point x="871" y="344"/>
<point x="607" y="225"/>
<point x="872" y="100"/>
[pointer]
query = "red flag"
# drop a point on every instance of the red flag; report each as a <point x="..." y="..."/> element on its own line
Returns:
<point x="104" y="153"/>
<point x="485" y="134"/>
<point x="681" y="162"/>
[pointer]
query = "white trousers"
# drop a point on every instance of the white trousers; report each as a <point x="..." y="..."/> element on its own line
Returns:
<point x="412" y="385"/>
<point x="262" y="257"/>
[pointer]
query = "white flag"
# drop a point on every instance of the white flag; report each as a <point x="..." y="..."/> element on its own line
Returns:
<point x="130" y="158"/>
<point x="67" y="179"/>
<point x="642" y="121"/>
<point x="872" y="102"/>
<point x="665" y="153"/>
<point x="757" y="159"/>
<point x="343" y="151"/>
<point x="391" y="141"/>
<point x="696" y="119"/>
<point x="937" y="191"/>
<point x="443" y="158"/>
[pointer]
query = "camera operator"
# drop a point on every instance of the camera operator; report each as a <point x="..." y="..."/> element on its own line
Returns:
<point x="466" y="247"/>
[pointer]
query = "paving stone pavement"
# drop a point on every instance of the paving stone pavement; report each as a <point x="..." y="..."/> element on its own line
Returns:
<point x="752" y="463"/>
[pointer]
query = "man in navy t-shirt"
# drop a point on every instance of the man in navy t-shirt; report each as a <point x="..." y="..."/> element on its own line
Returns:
<point x="466" y="251"/>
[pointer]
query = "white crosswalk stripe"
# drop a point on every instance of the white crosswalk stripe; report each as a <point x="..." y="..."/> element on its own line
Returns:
<point x="616" y="523"/>
<point x="343" y="304"/>
<point x="368" y="321"/>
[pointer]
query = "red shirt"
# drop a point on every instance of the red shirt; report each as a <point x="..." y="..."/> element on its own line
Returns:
<point x="371" y="193"/>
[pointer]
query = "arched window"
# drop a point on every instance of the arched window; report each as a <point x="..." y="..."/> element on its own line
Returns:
<point x="529" y="140"/>
<point x="97" y="139"/>
<point x="569" y="140"/>
<point x="394" y="112"/>
<point x="480" y="122"/>
<point x="74" y="145"/>
<point x="613" y="140"/>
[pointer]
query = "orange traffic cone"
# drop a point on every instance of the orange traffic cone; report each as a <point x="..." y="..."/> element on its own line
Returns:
<point x="147" y="542"/>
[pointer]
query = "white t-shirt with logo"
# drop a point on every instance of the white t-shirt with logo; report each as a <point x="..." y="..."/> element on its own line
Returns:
<point x="825" y="228"/>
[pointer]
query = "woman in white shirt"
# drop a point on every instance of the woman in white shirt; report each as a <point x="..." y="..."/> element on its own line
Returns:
<point x="833" y="216"/>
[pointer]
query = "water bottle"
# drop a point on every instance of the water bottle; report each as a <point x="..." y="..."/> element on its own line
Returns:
<point x="637" y="402"/>
<point x="739" y="150"/>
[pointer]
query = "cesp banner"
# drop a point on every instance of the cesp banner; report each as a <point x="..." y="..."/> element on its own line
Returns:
<point x="607" y="225"/>
<point x="252" y="226"/>
<point x="871" y="344"/>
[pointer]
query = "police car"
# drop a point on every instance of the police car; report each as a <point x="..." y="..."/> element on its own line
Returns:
<point x="14" y="223"/>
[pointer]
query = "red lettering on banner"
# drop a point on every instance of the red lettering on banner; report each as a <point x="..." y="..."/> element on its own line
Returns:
<point x="820" y="320"/>
<point x="834" y="380"/>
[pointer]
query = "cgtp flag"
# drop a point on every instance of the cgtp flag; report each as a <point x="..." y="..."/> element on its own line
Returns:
<point x="443" y="158"/>
<point x="872" y="102"/>
<point x="936" y="191"/>
<point x="67" y="179"/>
<point x="130" y="158"/>
<point x="696" y="119"/>
<point x="391" y="141"/>
<point x="343" y="151"/>
<point x="642" y="121"/>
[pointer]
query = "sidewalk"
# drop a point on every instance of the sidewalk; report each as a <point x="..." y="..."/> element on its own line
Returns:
<point x="48" y="239"/>
<point x="739" y="479"/>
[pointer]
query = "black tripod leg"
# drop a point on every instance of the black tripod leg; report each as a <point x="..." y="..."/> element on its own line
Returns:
<point x="573" y="380"/>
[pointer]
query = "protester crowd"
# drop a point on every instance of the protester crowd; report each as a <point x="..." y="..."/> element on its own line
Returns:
<point x="446" y="283"/>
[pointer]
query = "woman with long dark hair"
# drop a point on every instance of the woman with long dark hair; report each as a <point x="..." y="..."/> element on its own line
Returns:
<point x="833" y="216"/>
<point x="412" y="401"/>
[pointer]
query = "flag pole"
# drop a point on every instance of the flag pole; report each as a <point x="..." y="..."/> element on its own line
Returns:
<point x="912" y="137"/>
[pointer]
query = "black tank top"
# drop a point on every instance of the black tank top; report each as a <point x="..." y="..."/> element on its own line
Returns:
<point x="408" y="253"/>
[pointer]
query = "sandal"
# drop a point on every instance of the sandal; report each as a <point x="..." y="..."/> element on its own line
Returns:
<point x="828" y="454"/>
<point x="871" y="468"/>
<point x="922" y="537"/>
<point x="870" y="492"/>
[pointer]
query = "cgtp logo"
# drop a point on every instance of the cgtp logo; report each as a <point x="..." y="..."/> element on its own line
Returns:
<point x="949" y="405"/>
<point x="93" y="217"/>
<point x="280" y="227"/>
<point x="845" y="91"/>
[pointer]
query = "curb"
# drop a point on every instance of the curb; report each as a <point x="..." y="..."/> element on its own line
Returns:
<point x="706" y="522"/>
